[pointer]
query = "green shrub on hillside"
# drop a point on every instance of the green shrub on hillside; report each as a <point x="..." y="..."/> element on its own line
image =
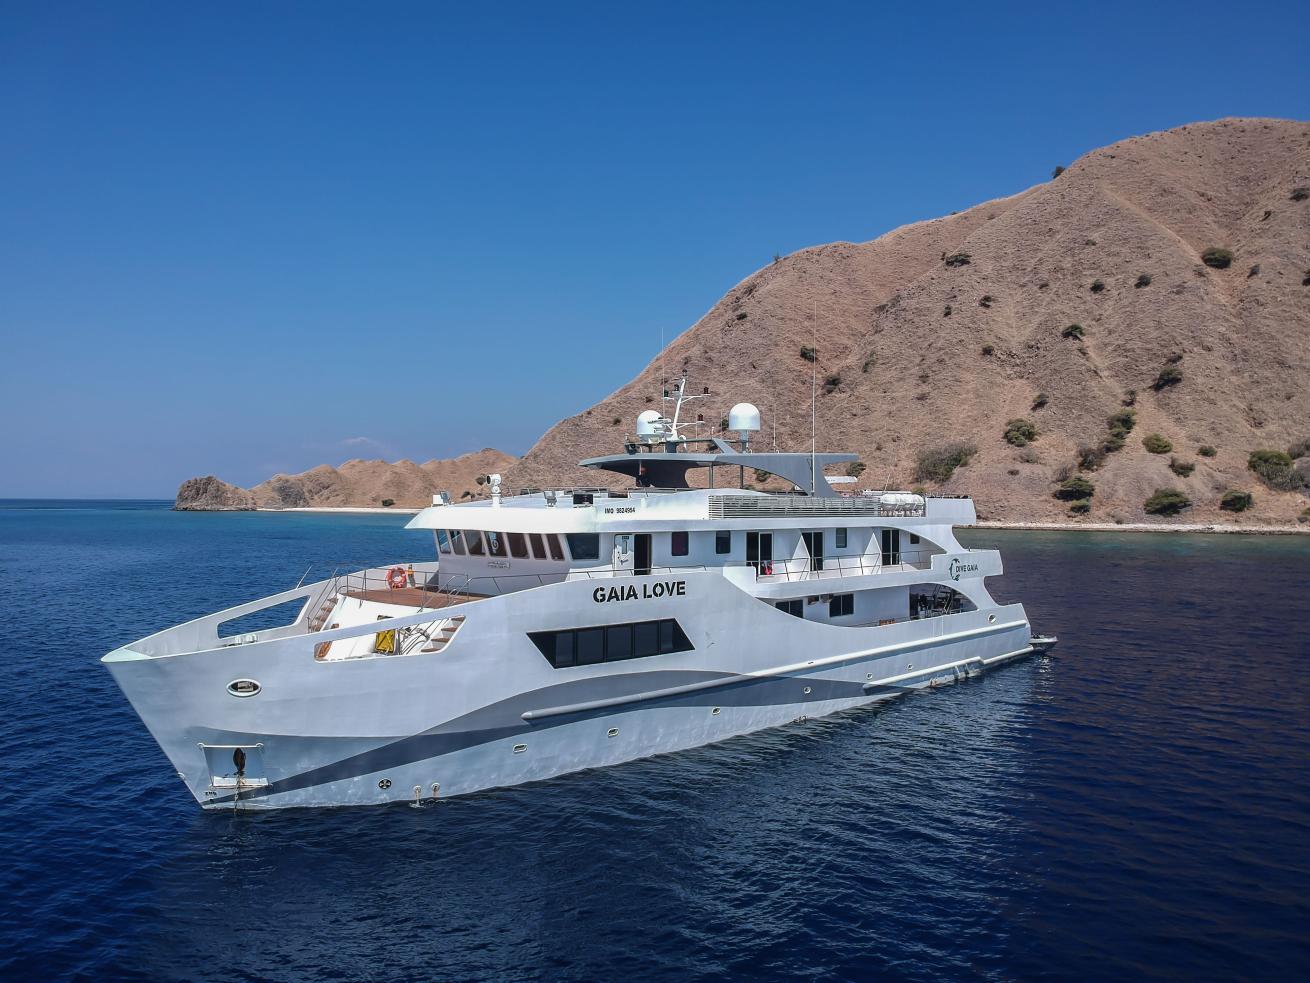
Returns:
<point x="957" y="259"/>
<point x="1205" y="450"/>
<point x="1073" y="489"/>
<point x="1170" y="375"/>
<point x="1300" y="449"/>
<point x="1217" y="257"/>
<point x="1090" y="458"/>
<point x="1236" y="501"/>
<point x="1081" y="507"/>
<point x="855" y="469"/>
<point x="939" y="463"/>
<point x="1073" y="331"/>
<point x="1183" y="469"/>
<point x="1143" y="281"/>
<point x="808" y="353"/>
<point x="1157" y="444"/>
<point x="1097" y="286"/>
<point x="1020" y="432"/>
<point x="1039" y="401"/>
<point x="1276" y="470"/>
<point x="1166" y="501"/>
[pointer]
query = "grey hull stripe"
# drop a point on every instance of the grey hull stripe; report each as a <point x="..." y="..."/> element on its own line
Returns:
<point x="497" y="721"/>
<point x="477" y="727"/>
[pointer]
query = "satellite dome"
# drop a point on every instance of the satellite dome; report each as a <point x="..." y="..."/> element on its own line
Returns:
<point x="648" y="425"/>
<point x="744" y="418"/>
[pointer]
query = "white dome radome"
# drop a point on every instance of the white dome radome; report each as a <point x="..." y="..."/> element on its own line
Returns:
<point x="744" y="418"/>
<point x="648" y="425"/>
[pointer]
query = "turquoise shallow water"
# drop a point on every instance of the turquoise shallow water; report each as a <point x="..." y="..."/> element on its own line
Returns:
<point x="1135" y="807"/>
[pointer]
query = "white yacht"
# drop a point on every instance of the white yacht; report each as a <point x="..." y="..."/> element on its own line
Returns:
<point x="563" y="630"/>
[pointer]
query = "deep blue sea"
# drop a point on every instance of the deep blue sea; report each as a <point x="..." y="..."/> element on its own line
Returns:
<point x="1136" y="806"/>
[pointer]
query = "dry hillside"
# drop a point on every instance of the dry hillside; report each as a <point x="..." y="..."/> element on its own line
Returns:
<point x="920" y="346"/>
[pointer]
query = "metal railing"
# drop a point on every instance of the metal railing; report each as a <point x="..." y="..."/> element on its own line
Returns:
<point x="788" y="506"/>
<point x="844" y="566"/>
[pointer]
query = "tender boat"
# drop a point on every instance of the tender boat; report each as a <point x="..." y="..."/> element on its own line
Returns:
<point x="559" y="630"/>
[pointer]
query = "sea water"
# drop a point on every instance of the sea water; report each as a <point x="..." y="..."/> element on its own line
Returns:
<point x="1135" y="806"/>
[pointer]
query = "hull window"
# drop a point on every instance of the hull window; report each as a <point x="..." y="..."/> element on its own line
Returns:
<point x="614" y="643"/>
<point x="841" y="606"/>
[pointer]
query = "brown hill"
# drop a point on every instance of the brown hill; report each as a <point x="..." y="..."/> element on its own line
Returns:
<point x="947" y="329"/>
<point x="355" y="484"/>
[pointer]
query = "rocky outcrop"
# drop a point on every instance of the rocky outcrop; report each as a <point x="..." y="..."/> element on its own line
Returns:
<point x="210" y="494"/>
<point x="949" y="329"/>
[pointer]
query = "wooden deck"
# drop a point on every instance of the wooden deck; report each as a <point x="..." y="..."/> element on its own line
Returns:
<point x="414" y="597"/>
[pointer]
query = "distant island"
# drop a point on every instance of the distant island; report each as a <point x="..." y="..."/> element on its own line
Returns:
<point x="355" y="484"/>
<point x="1126" y="343"/>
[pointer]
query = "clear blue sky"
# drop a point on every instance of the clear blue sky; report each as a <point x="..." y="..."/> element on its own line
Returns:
<point x="242" y="238"/>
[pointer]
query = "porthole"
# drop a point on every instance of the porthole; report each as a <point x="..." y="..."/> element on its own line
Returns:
<point x="243" y="687"/>
<point x="612" y="732"/>
<point x="384" y="783"/>
<point x="807" y="690"/>
<point x="909" y="665"/>
<point x="715" y="711"/>
<point x="991" y="619"/>
<point x="868" y="675"/>
<point x="520" y="748"/>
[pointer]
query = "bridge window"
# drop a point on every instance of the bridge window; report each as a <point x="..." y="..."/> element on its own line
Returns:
<point x="518" y="545"/>
<point x="538" y="545"/>
<point x="474" y="539"/>
<point x="795" y="608"/>
<point x="841" y="606"/>
<point x="679" y="543"/>
<point x="584" y="545"/>
<point x="723" y="542"/>
<point x="496" y="544"/>
<point x="615" y="643"/>
<point x="556" y="547"/>
<point x="457" y="541"/>
<point x="443" y="541"/>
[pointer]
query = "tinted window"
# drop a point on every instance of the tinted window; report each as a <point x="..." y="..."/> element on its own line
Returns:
<point x="646" y="639"/>
<point x="795" y="608"/>
<point x="443" y="541"/>
<point x="618" y="642"/>
<point x="591" y="645"/>
<point x="563" y="648"/>
<point x="556" y="550"/>
<point x="496" y="544"/>
<point x="722" y="542"/>
<point x="584" y="545"/>
<point x="457" y="541"/>
<point x="614" y="643"/>
<point x="474" y="540"/>
<point x="538" y="545"/>
<point x="914" y="539"/>
<point x="679" y="543"/>
<point x="841" y="605"/>
<point x="518" y="545"/>
<point x="841" y="539"/>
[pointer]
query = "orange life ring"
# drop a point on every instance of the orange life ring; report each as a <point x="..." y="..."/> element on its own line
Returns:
<point x="397" y="578"/>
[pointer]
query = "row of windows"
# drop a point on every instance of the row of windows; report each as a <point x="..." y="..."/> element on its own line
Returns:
<point x="839" y="606"/>
<point x="586" y="545"/>
<point x="521" y="546"/>
<point x="611" y="643"/>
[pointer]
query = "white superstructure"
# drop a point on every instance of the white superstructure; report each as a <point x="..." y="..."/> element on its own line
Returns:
<point x="562" y="630"/>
